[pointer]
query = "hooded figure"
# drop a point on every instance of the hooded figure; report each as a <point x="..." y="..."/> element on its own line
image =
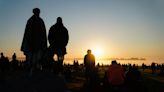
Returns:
<point x="58" y="39"/>
<point x="35" y="40"/>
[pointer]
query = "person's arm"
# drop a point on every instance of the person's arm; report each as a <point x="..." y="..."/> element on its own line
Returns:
<point x="25" y="42"/>
<point x="50" y="36"/>
<point x="44" y="36"/>
<point x="94" y="60"/>
<point x="85" y="60"/>
<point x="66" y="37"/>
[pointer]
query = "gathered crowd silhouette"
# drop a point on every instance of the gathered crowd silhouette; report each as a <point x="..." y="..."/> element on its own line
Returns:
<point x="41" y="73"/>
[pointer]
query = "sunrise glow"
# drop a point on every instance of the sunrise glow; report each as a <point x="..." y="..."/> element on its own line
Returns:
<point x="98" y="52"/>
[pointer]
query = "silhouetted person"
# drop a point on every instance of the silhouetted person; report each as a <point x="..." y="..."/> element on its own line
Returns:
<point x="14" y="57"/>
<point x="92" y="78"/>
<point x="58" y="39"/>
<point x="4" y="63"/>
<point x="34" y="41"/>
<point x="115" y="75"/>
<point x="98" y="64"/>
<point x="162" y="70"/>
<point x="14" y="62"/>
<point x="143" y="66"/>
<point x="89" y="63"/>
<point x="90" y="69"/>
<point x="153" y="67"/>
<point x="2" y="57"/>
<point x="76" y="65"/>
<point x="133" y="79"/>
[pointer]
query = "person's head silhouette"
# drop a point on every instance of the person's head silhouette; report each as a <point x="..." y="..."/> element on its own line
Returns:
<point x="59" y="20"/>
<point x="36" y="11"/>
<point x="89" y="51"/>
<point x="114" y="62"/>
<point x="1" y="53"/>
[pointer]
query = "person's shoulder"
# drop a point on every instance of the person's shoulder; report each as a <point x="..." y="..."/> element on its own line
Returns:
<point x="53" y="27"/>
<point x="65" y="28"/>
<point x="119" y="66"/>
<point x="93" y="55"/>
<point x="40" y="19"/>
<point x="35" y="18"/>
<point x="30" y="19"/>
<point x="110" y="66"/>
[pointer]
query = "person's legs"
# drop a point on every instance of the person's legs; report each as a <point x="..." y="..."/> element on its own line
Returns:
<point x="48" y="65"/>
<point x="39" y="57"/>
<point x="35" y="59"/>
<point x="29" y="60"/>
<point x="60" y="62"/>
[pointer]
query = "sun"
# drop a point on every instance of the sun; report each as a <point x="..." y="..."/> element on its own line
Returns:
<point x="97" y="52"/>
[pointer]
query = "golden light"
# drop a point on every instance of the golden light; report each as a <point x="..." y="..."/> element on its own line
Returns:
<point x="98" y="52"/>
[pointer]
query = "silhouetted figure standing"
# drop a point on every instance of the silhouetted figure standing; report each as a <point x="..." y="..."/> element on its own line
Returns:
<point x="92" y="79"/>
<point x="143" y="66"/>
<point x="133" y="79"/>
<point x="58" y="39"/>
<point x="14" y="62"/>
<point x="76" y="66"/>
<point x="89" y="62"/>
<point x="14" y="57"/>
<point x="34" y="41"/>
<point x="2" y="57"/>
<point x="162" y="70"/>
<point x="153" y="67"/>
<point x="4" y="63"/>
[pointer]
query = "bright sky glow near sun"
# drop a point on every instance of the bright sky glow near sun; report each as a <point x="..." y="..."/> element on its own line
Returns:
<point x="98" y="52"/>
<point x="110" y="28"/>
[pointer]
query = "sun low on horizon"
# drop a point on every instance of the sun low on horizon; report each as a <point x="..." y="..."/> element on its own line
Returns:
<point x="98" y="52"/>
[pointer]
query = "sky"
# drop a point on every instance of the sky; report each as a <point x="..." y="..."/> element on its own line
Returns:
<point x="117" y="28"/>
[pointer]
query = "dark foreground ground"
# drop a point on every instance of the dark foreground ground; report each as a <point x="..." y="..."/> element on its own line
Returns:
<point x="43" y="81"/>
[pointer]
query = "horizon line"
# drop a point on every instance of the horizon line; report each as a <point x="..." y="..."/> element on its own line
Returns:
<point x="110" y="58"/>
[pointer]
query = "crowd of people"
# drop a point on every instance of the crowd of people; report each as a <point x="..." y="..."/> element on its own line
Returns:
<point x="6" y="64"/>
<point x="117" y="77"/>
